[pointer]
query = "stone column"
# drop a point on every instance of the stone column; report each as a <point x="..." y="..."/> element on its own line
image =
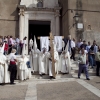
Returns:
<point x="21" y="24"/>
<point x="57" y="22"/>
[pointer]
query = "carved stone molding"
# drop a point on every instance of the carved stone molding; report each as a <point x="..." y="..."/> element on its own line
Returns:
<point x="22" y="9"/>
<point x="21" y="12"/>
<point x="57" y="13"/>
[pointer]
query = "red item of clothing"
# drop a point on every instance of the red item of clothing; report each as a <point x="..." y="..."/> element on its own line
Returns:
<point x="6" y="47"/>
<point x="12" y="62"/>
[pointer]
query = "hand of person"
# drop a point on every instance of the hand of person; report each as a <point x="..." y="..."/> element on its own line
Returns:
<point x="66" y="57"/>
<point x="55" y="61"/>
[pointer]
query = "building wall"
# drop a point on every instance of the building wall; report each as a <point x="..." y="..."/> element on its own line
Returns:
<point x="33" y="3"/>
<point x="64" y="17"/>
<point x="90" y="15"/>
<point x="9" y="17"/>
<point x="89" y="10"/>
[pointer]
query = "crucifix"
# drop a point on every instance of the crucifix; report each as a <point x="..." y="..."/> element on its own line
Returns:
<point x="52" y="54"/>
<point x="51" y="37"/>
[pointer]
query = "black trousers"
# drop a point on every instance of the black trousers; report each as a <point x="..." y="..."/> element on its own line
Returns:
<point x="73" y="53"/>
<point x="13" y="71"/>
<point x="98" y="68"/>
<point x="10" y="48"/>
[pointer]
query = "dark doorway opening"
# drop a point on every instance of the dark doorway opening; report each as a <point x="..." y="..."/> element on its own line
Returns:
<point x="37" y="29"/>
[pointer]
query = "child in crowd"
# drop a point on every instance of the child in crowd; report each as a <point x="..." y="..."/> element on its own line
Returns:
<point x="6" y="48"/>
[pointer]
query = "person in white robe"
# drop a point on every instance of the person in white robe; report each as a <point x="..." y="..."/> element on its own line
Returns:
<point x="65" y="64"/>
<point x="43" y="62"/>
<point x="56" y="58"/>
<point x="4" y="73"/>
<point x="31" y="43"/>
<point x="35" y="54"/>
<point x="24" y="71"/>
<point x="58" y="42"/>
<point x="31" y="60"/>
<point x="44" y="42"/>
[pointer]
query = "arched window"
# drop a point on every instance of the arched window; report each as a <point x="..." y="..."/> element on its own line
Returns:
<point x="40" y="4"/>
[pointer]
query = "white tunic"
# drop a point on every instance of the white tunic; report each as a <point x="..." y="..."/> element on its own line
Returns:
<point x="64" y="63"/>
<point x="31" y="43"/>
<point x="35" y="60"/>
<point x="24" y="71"/>
<point x="56" y="57"/>
<point x="4" y="73"/>
<point x="43" y="63"/>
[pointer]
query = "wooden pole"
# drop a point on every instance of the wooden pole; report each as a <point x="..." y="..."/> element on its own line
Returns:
<point x="52" y="54"/>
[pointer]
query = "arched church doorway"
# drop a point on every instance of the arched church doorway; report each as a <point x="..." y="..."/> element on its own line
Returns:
<point x="38" y="28"/>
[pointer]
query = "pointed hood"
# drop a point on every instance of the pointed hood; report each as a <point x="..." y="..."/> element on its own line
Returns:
<point x="35" y="44"/>
<point x="2" y="49"/>
<point x="67" y="46"/>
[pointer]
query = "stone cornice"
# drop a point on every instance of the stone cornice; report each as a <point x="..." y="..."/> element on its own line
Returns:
<point x="40" y="9"/>
<point x="57" y="8"/>
<point x="22" y="7"/>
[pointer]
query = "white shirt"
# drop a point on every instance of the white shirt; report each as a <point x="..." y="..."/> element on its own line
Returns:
<point x="17" y="40"/>
<point x="24" y="41"/>
<point x="10" y="41"/>
<point x="72" y="44"/>
<point x="12" y="57"/>
<point x="84" y="51"/>
<point x="79" y="44"/>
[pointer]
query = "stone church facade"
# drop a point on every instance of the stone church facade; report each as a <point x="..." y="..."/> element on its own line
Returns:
<point x="80" y="18"/>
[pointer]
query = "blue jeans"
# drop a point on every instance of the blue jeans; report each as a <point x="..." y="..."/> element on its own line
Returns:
<point x="91" y="60"/>
<point x="85" y="68"/>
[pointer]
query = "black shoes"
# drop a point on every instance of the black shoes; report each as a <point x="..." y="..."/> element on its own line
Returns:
<point x="12" y="83"/>
<point x="87" y="79"/>
<point x="79" y="77"/>
<point x="51" y="77"/>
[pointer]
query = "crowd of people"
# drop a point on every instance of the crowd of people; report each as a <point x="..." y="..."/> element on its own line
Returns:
<point x="12" y="42"/>
<point x="92" y="51"/>
<point x="42" y="61"/>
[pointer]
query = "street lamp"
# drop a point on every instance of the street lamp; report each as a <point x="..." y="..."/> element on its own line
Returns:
<point x="76" y="17"/>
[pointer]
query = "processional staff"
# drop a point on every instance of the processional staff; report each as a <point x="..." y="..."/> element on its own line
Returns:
<point x="52" y="54"/>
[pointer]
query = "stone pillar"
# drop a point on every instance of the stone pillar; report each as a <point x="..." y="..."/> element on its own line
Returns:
<point x="57" y="25"/>
<point x="57" y="18"/>
<point x="21" y="24"/>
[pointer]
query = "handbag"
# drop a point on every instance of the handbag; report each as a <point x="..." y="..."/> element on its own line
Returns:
<point x="28" y="64"/>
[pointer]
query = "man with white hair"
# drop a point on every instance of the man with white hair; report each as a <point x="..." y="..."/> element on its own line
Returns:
<point x="12" y="66"/>
<point x="4" y="74"/>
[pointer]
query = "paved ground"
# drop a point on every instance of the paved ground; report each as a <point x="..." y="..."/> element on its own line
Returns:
<point x="64" y="91"/>
<point x="13" y="92"/>
<point x="95" y="82"/>
<point x="64" y="87"/>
